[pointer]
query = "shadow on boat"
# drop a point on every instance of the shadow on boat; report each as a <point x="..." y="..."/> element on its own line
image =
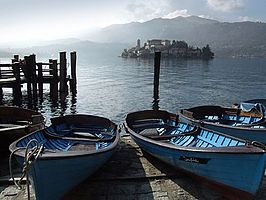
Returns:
<point x="198" y="188"/>
<point x="122" y="177"/>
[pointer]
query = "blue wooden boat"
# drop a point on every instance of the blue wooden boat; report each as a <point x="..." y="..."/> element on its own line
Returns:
<point x="246" y="121"/>
<point x="66" y="153"/>
<point x="230" y="163"/>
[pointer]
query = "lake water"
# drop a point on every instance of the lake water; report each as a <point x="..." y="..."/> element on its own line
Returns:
<point x="113" y="86"/>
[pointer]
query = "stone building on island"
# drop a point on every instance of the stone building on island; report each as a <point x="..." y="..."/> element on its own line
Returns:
<point x="174" y="49"/>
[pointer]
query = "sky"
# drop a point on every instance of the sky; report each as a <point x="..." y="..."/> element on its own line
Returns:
<point x="33" y="20"/>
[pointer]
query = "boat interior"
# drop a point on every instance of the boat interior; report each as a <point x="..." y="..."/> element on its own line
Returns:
<point x="70" y="138"/>
<point x="182" y="134"/>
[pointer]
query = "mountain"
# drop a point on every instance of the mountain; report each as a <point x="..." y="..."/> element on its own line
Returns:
<point x="85" y="49"/>
<point x="225" y="39"/>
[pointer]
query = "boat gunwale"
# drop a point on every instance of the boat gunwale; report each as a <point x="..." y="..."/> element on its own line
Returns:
<point x="245" y="149"/>
<point x="240" y="127"/>
<point x="69" y="154"/>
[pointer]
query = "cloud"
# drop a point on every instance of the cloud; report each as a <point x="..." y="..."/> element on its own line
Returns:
<point x="247" y="18"/>
<point x="177" y="13"/>
<point x="146" y="10"/>
<point x="225" y="5"/>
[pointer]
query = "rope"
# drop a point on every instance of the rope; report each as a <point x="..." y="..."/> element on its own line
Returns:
<point x="31" y="154"/>
<point x="258" y="144"/>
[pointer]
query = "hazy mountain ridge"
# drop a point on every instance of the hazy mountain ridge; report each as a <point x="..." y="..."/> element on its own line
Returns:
<point x="246" y="39"/>
<point x="85" y="50"/>
<point x="226" y="39"/>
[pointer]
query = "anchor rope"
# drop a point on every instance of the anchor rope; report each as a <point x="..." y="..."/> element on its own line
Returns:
<point x="31" y="154"/>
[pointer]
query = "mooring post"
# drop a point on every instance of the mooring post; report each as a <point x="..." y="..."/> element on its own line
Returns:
<point x="17" y="87"/>
<point x="1" y="89"/>
<point x="157" y="60"/>
<point x="63" y="73"/>
<point x="34" y="76"/>
<point x="16" y="58"/>
<point x="40" y="80"/>
<point x="54" y="81"/>
<point x="73" y="62"/>
<point x="27" y="72"/>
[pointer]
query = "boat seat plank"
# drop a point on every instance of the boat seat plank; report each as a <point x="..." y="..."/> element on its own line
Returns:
<point x="184" y="141"/>
<point x="85" y="134"/>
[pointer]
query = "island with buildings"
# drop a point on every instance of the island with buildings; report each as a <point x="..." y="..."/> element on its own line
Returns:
<point x="168" y="49"/>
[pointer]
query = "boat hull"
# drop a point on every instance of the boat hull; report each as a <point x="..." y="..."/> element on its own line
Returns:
<point x="71" y="149"/>
<point x="230" y="162"/>
<point x="51" y="179"/>
<point x="221" y="168"/>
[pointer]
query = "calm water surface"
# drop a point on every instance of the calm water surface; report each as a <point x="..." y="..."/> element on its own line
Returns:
<point x="113" y="87"/>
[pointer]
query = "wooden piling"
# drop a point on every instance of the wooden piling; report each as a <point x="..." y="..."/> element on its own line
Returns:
<point x="17" y="94"/>
<point x="27" y="73"/>
<point x="54" y="82"/>
<point x="33" y="76"/>
<point x="63" y="73"/>
<point x="17" y="87"/>
<point x="73" y="81"/>
<point x="157" y="60"/>
<point x="40" y="80"/>
<point x="16" y="58"/>
<point x="1" y="89"/>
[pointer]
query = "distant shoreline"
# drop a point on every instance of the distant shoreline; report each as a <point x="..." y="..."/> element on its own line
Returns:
<point x="176" y="49"/>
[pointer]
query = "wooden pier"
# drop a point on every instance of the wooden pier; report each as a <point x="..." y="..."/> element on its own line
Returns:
<point x="34" y="74"/>
<point x="133" y="175"/>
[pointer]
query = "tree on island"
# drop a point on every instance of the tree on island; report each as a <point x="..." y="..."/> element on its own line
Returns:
<point x="207" y="53"/>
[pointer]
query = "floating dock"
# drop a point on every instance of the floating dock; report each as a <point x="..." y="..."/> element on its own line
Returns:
<point x="131" y="174"/>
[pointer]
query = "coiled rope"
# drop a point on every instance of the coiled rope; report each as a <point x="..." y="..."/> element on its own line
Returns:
<point x="31" y="154"/>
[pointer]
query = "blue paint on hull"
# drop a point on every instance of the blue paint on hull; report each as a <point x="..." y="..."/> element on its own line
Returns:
<point x="74" y="147"/>
<point x="225" y="160"/>
<point x="51" y="179"/>
<point x="222" y="168"/>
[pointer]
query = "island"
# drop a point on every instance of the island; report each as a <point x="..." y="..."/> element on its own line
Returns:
<point x="176" y="49"/>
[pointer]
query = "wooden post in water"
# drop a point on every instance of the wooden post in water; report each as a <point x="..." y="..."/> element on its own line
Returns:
<point x="40" y="80"/>
<point x="63" y="73"/>
<point x="16" y="58"/>
<point x="17" y="87"/>
<point x="34" y="76"/>
<point x="73" y="62"/>
<point x="1" y="89"/>
<point x="157" y="60"/>
<point x="54" y="82"/>
<point x="27" y="72"/>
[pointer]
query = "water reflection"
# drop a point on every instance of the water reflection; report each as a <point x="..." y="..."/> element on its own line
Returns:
<point x="113" y="89"/>
<point x="48" y="106"/>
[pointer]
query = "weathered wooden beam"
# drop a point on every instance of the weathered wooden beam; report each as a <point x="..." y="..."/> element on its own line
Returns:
<point x="34" y="76"/>
<point x="63" y="73"/>
<point x="16" y="87"/>
<point x="40" y="80"/>
<point x="1" y="89"/>
<point x="157" y="60"/>
<point x="54" y="81"/>
<point x="27" y="73"/>
<point x="73" y="62"/>
<point x="16" y="58"/>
